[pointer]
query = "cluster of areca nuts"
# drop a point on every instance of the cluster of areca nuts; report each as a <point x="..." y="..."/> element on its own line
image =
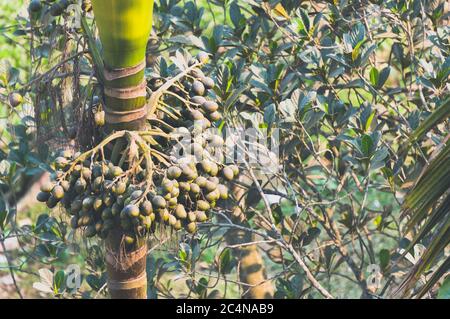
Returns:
<point x="194" y="90"/>
<point x="101" y="197"/>
<point x="201" y="108"/>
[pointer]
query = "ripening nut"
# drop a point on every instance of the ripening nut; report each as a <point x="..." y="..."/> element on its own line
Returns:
<point x="208" y="82"/>
<point x="214" y="169"/>
<point x="195" y="189"/>
<point x="61" y="162"/>
<point x="197" y="99"/>
<point x="201" y="181"/>
<point x="35" y="6"/>
<point x="86" y="6"/>
<point x="15" y="99"/>
<point x="119" y="188"/>
<point x="215" y="116"/>
<point x="65" y="185"/>
<point x="58" y="192"/>
<point x="201" y="216"/>
<point x="64" y="3"/>
<point x="203" y="205"/>
<point x="115" y="171"/>
<point x="131" y="210"/>
<point x="206" y="165"/>
<point x="159" y="202"/>
<point x="196" y="115"/>
<point x="228" y="173"/>
<point x="235" y="169"/>
<point x="174" y="172"/>
<point x="203" y="57"/>
<point x="56" y="9"/>
<point x="177" y="225"/>
<point x="210" y="186"/>
<point x="191" y="227"/>
<point x="167" y="186"/>
<point x="164" y="215"/>
<point x="180" y="212"/>
<point x="172" y="220"/>
<point x="43" y="197"/>
<point x="129" y="240"/>
<point x="99" y="118"/>
<point x="146" y="208"/>
<point x="47" y="187"/>
<point x="198" y="88"/>
<point x="210" y="106"/>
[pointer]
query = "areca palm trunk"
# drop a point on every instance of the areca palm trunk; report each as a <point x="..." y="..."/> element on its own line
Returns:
<point x="124" y="27"/>
<point x="251" y="268"/>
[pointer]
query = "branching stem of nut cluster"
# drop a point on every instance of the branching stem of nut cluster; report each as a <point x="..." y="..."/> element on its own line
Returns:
<point x="154" y="98"/>
<point x="167" y="112"/>
<point x="92" y="151"/>
<point x="186" y="102"/>
<point x="114" y="136"/>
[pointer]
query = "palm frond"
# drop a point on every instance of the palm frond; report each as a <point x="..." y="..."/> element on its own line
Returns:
<point x="439" y="115"/>
<point x="427" y="206"/>
<point x="438" y="274"/>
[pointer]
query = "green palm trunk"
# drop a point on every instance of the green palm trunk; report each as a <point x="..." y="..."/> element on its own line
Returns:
<point x="124" y="27"/>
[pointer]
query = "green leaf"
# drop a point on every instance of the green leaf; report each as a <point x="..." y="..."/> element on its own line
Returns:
<point x="374" y="76"/>
<point x="94" y="282"/>
<point x="235" y="14"/>
<point x="183" y="253"/>
<point x="444" y="290"/>
<point x="366" y="145"/>
<point x="270" y="113"/>
<point x="384" y="74"/>
<point x="305" y="20"/>
<point x="98" y="61"/>
<point x="356" y="49"/>
<point x="225" y="262"/>
<point x="191" y="40"/>
<point x="234" y="97"/>
<point x="3" y="213"/>
<point x="384" y="258"/>
<point x="380" y="154"/>
<point x="369" y="121"/>
<point x="58" y="280"/>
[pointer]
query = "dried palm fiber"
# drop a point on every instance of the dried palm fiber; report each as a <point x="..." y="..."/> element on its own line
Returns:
<point x="127" y="277"/>
<point x="251" y="267"/>
<point x="56" y="102"/>
<point x="124" y="28"/>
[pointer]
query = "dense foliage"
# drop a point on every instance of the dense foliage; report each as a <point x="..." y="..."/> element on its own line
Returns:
<point x="340" y="86"/>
